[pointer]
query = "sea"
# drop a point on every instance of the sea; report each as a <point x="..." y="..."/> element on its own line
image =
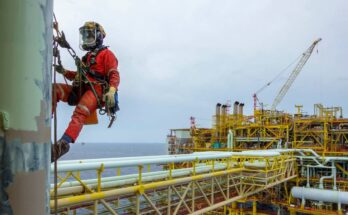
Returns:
<point x="80" y="151"/>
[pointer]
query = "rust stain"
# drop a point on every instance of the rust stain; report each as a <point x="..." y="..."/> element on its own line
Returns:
<point x="42" y="135"/>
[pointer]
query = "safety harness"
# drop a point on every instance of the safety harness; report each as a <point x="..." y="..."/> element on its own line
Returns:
<point x="83" y="69"/>
<point x="93" y="55"/>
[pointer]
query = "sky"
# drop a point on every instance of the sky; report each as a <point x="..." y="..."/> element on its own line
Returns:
<point x="178" y="58"/>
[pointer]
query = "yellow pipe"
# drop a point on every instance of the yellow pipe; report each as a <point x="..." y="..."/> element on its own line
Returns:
<point x="140" y="171"/>
<point x="99" y="172"/>
<point x="148" y="167"/>
<point x="61" y="182"/>
<point x="171" y="167"/>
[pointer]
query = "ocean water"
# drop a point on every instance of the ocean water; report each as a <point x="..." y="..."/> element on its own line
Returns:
<point x="112" y="150"/>
<point x="79" y="151"/>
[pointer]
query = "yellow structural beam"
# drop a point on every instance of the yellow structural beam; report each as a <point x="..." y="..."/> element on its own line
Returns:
<point x="138" y="188"/>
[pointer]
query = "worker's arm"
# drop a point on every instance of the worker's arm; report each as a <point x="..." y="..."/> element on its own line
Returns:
<point x="70" y="75"/>
<point x="111" y="70"/>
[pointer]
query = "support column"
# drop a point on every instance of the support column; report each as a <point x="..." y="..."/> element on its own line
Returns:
<point x="25" y="105"/>
<point x="234" y="208"/>
<point x="292" y="212"/>
<point x="254" y="208"/>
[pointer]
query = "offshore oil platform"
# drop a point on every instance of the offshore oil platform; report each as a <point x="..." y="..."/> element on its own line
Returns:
<point x="271" y="162"/>
<point x="317" y="143"/>
<point x="268" y="163"/>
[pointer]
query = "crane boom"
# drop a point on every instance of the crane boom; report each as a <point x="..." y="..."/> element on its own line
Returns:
<point x="294" y="74"/>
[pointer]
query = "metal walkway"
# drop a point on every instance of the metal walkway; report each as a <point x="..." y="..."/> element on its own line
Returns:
<point x="188" y="184"/>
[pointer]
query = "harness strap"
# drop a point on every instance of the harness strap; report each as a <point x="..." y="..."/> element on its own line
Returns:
<point x="93" y="54"/>
<point x="97" y="76"/>
<point x="92" y="61"/>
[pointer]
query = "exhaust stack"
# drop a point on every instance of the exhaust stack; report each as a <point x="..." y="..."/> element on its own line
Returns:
<point x="235" y="107"/>
<point x="241" y="107"/>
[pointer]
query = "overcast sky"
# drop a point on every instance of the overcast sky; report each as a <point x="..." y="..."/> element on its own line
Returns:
<point x="179" y="58"/>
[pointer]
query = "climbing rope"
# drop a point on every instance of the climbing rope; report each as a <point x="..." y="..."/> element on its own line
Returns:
<point x="56" y="60"/>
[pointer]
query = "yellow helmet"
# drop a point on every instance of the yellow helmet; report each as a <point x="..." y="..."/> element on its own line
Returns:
<point x="94" y="25"/>
<point x="91" y="35"/>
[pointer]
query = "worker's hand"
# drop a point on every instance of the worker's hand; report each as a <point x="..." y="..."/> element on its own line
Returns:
<point x="109" y="97"/>
<point x="60" y="69"/>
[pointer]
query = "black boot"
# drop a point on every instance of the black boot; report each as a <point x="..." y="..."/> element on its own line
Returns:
<point x="58" y="150"/>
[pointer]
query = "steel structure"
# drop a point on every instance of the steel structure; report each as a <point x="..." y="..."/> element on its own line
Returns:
<point x="271" y="162"/>
<point x="319" y="142"/>
<point x="211" y="181"/>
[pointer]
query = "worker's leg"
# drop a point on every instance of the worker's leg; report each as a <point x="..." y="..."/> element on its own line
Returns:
<point x="62" y="93"/>
<point x="86" y="105"/>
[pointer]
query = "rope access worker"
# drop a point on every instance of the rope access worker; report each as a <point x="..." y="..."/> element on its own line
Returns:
<point x="101" y="70"/>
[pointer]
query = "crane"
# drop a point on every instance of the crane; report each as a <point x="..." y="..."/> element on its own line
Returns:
<point x="294" y="74"/>
<point x="291" y="79"/>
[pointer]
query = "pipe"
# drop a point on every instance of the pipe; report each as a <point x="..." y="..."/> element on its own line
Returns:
<point x="218" y="110"/>
<point x="333" y="196"/>
<point x="308" y="184"/>
<point x="333" y="175"/>
<point x="140" y="161"/>
<point x="223" y="116"/>
<point x="164" y="160"/>
<point x="235" y="107"/>
<point x="127" y="158"/>
<point x="279" y="144"/>
<point x="234" y="199"/>
<point x="133" y="189"/>
<point x="223" y="110"/>
<point x="258" y="153"/>
<point x="123" y="177"/>
<point x="218" y="120"/>
<point x="311" y="173"/>
<point x="340" y="126"/>
<point x="67" y="190"/>
<point x="230" y="139"/>
<point x="25" y="105"/>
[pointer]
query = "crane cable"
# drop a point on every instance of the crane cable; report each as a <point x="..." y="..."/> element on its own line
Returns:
<point x="278" y="75"/>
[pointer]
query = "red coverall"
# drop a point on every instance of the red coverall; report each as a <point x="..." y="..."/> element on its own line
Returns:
<point x="106" y="64"/>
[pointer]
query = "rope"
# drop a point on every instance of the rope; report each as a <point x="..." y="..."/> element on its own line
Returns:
<point x="56" y="58"/>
